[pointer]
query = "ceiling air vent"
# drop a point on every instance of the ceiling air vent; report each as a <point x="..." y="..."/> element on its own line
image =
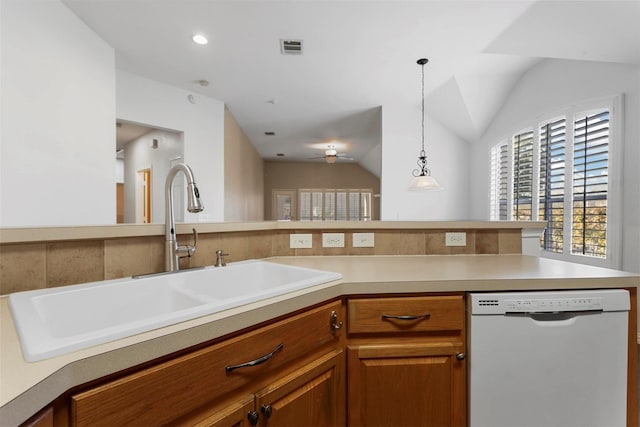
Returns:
<point x="290" y="47"/>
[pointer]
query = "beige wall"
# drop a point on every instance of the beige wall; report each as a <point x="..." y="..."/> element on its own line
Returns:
<point x="296" y="175"/>
<point x="243" y="175"/>
<point x="38" y="265"/>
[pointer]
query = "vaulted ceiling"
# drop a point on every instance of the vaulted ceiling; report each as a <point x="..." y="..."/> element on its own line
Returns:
<point x="358" y="55"/>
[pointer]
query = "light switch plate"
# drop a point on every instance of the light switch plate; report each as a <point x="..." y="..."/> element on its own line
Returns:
<point x="363" y="240"/>
<point x="300" y="241"/>
<point x="455" y="239"/>
<point x="333" y="240"/>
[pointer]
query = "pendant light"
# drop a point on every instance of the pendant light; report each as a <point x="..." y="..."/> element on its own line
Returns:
<point x="422" y="179"/>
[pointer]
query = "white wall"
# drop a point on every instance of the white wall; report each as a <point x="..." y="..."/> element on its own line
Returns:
<point x="447" y="158"/>
<point x="149" y="102"/>
<point x="139" y="155"/>
<point x="554" y="84"/>
<point x="58" y="106"/>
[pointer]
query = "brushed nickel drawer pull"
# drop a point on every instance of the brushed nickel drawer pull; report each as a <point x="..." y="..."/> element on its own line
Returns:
<point x="409" y="317"/>
<point x="255" y="362"/>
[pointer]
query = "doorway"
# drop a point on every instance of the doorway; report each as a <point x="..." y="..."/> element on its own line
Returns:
<point x="144" y="196"/>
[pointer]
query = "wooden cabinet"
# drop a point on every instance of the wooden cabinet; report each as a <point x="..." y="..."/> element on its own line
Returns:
<point x="295" y="366"/>
<point x="312" y="395"/>
<point x="406" y="361"/>
<point x="42" y="419"/>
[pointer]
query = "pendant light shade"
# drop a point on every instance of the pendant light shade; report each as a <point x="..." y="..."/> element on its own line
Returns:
<point x="424" y="183"/>
<point x="422" y="179"/>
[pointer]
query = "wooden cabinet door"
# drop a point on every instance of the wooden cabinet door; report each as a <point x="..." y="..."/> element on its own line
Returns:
<point x="233" y="413"/>
<point x="313" y="395"/>
<point x="413" y="385"/>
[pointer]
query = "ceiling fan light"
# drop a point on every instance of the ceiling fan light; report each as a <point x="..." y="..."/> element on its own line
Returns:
<point x="331" y="158"/>
<point x="331" y="152"/>
<point x="424" y="183"/>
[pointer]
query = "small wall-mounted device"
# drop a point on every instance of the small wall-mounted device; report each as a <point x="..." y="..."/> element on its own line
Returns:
<point x="154" y="144"/>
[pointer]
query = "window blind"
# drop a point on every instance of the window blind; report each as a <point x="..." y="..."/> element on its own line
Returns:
<point x="590" y="184"/>
<point x="354" y="206"/>
<point x="305" y="205"/>
<point x="522" y="176"/>
<point x="341" y="206"/>
<point x="499" y="182"/>
<point x="331" y="204"/>
<point x="552" y="182"/>
<point x="316" y="205"/>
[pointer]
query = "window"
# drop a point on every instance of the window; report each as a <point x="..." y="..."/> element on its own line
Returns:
<point x="522" y="176"/>
<point x="561" y="172"/>
<point x="332" y="204"/>
<point x="551" y="190"/>
<point x="590" y="184"/>
<point x="499" y="181"/>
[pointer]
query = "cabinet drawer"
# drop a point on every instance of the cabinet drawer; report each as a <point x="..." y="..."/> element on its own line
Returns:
<point x="406" y="314"/>
<point x="172" y="389"/>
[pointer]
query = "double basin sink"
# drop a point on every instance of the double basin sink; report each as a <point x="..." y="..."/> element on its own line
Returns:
<point x="51" y="322"/>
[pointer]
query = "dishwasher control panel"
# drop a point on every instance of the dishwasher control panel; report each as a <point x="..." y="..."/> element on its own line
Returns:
<point x="548" y="302"/>
<point x="530" y="305"/>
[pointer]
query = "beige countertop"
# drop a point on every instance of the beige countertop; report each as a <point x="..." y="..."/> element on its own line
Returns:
<point x="42" y="234"/>
<point x="26" y="387"/>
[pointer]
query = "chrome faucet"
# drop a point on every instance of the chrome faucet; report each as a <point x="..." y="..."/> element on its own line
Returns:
<point x="220" y="262"/>
<point x="173" y="252"/>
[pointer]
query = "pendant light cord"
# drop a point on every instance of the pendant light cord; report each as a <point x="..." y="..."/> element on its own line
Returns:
<point x="422" y="63"/>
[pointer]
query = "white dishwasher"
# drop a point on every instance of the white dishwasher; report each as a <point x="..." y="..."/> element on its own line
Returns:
<point x="548" y="359"/>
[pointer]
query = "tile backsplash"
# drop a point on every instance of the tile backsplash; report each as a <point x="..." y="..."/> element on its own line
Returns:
<point x="26" y="266"/>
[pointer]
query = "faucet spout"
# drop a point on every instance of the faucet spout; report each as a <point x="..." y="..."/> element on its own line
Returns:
<point x="194" y="204"/>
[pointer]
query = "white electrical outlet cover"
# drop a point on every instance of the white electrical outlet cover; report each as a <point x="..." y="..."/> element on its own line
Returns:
<point x="363" y="240"/>
<point x="333" y="240"/>
<point x="300" y="241"/>
<point x="456" y="239"/>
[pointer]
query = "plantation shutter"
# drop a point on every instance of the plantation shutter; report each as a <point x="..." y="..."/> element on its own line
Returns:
<point x="316" y="205"/>
<point x="590" y="184"/>
<point x="305" y="205"/>
<point x="332" y="204"/>
<point x="354" y="206"/>
<point x="552" y="180"/>
<point x="366" y="206"/>
<point x="522" y="176"/>
<point x="499" y="182"/>
<point x="329" y="205"/>
<point x="341" y="206"/>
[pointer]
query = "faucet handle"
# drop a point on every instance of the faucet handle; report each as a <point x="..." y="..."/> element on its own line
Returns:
<point x="220" y="254"/>
<point x="195" y="239"/>
<point x="188" y="250"/>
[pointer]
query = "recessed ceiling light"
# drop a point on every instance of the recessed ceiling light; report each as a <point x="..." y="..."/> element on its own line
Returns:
<point x="199" y="39"/>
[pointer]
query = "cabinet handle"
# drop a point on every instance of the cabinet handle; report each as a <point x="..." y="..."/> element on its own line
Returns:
<point x="407" y="317"/>
<point x="253" y="416"/>
<point x="461" y="356"/>
<point x="255" y="362"/>
<point x="335" y="325"/>
<point x="266" y="410"/>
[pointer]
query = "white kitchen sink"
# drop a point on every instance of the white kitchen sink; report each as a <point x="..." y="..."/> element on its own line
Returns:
<point x="51" y="322"/>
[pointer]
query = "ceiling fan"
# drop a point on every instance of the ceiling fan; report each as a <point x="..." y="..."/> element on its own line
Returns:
<point x="331" y="155"/>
